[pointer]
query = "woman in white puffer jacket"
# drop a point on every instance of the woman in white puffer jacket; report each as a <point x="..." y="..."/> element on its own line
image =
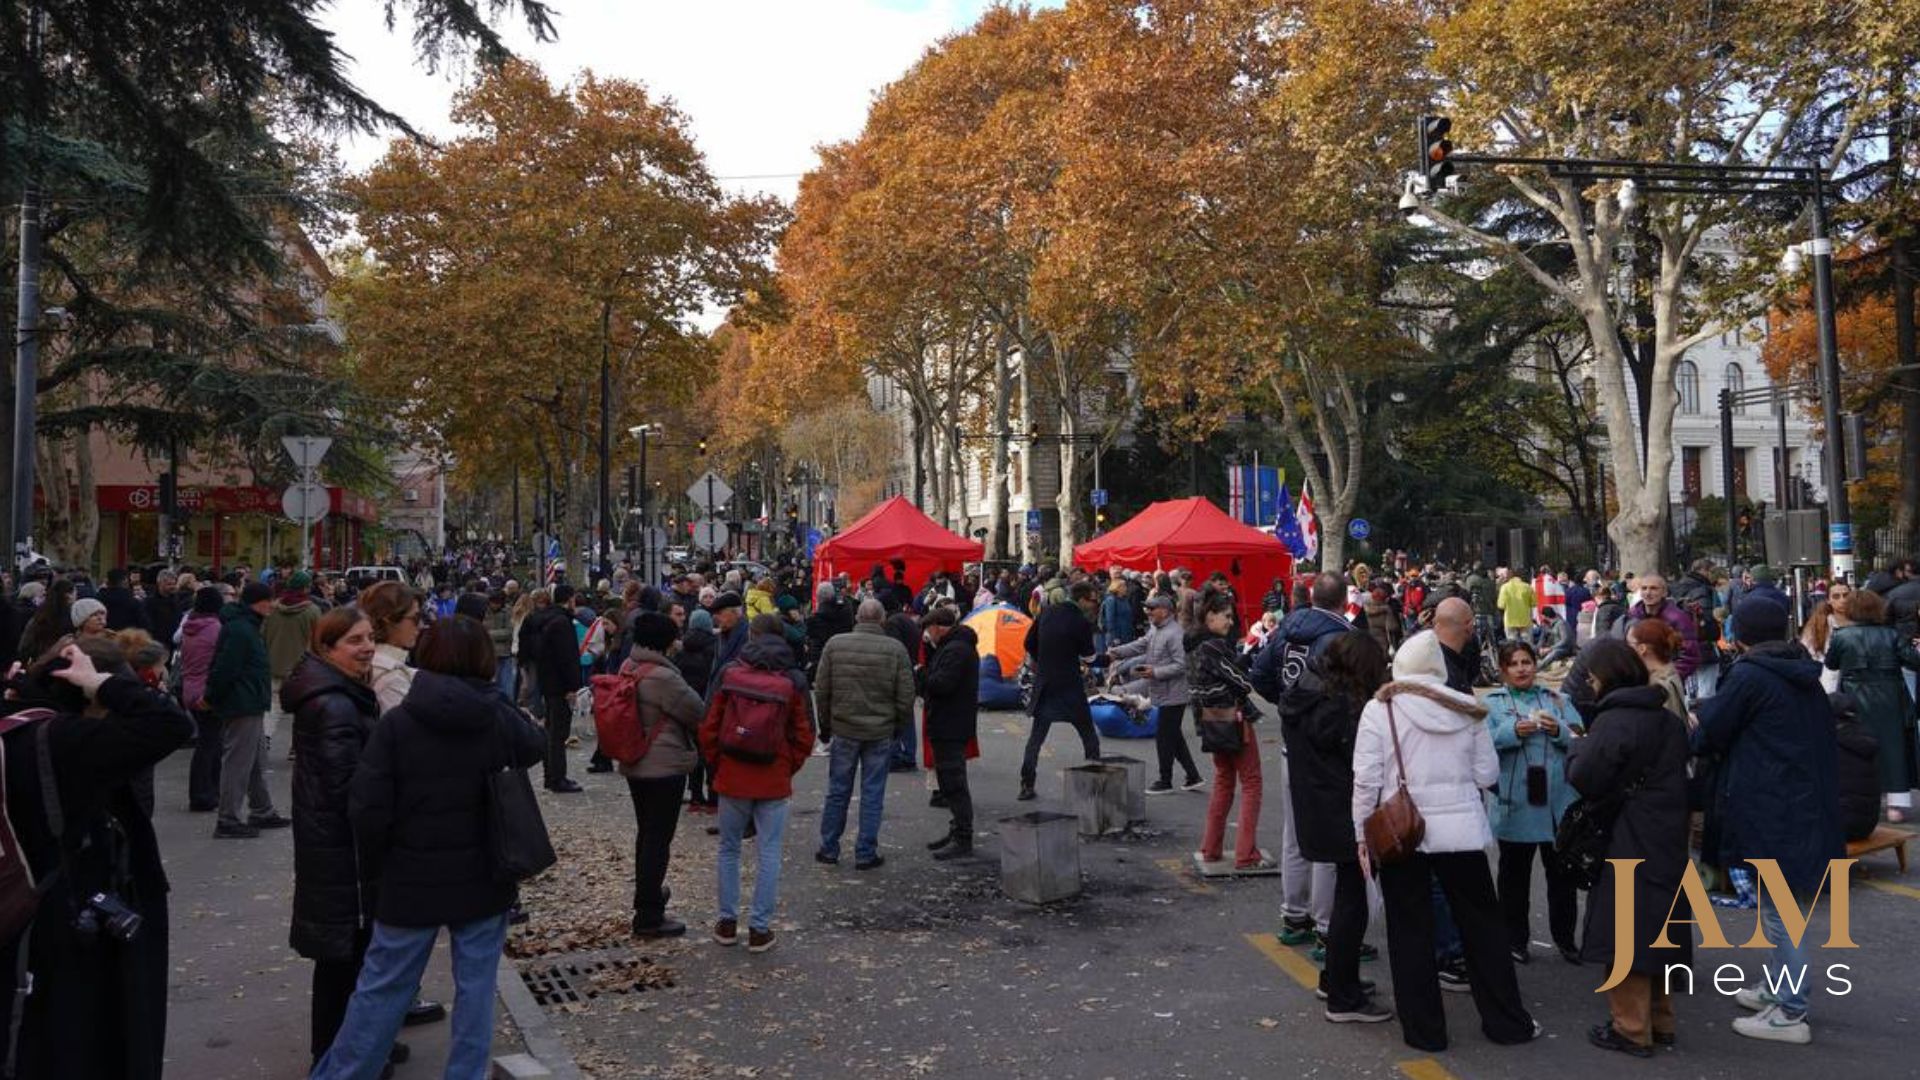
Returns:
<point x="1449" y="760"/>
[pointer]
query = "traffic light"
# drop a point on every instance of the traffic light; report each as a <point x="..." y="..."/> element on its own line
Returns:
<point x="1436" y="152"/>
<point x="1100" y="517"/>
<point x="703" y="447"/>
<point x="793" y="512"/>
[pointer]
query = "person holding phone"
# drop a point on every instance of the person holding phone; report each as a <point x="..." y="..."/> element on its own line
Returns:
<point x="1154" y="666"/>
<point x="1532" y="726"/>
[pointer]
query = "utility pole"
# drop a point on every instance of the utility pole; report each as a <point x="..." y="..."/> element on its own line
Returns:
<point x="606" y="432"/>
<point x="26" y="348"/>
<point x="1839" y="521"/>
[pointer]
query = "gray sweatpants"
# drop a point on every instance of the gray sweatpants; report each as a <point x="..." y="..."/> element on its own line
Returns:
<point x="242" y="744"/>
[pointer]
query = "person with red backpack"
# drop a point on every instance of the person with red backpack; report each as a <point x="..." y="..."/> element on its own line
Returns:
<point x="655" y="759"/>
<point x="757" y="734"/>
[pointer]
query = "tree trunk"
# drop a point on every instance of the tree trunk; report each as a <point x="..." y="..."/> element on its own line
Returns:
<point x="997" y="530"/>
<point x="69" y="538"/>
<point x="918" y="427"/>
<point x="1906" y="512"/>
<point x="1064" y="501"/>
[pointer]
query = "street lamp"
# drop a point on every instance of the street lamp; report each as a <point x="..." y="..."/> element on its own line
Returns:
<point x="641" y="431"/>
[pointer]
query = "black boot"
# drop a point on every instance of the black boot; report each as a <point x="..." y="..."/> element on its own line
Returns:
<point x="942" y="842"/>
<point x="1026" y="793"/>
<point x="960" y="848"/>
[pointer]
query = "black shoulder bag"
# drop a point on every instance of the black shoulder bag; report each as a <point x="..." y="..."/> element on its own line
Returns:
<point x="1586" y="831"/>
<point x="516" y="832"/>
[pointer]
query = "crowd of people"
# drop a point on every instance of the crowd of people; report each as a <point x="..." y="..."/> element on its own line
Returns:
<point x="1711" y="721"/>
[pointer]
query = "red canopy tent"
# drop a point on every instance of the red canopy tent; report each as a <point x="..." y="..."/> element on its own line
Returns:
<point x="1200" y="536"/>
<point x="896" y="529"/>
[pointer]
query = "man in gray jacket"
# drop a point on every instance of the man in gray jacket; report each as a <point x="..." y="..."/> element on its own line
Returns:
<point x="1160" y="673"/>
<point x="864" y="690"/>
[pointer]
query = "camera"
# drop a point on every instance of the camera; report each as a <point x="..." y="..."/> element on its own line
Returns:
<point x="105" y="913"/>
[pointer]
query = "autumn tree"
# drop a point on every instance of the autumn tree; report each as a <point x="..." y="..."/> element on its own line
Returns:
<point x="1753" y="84"/>
<point x="565" y="226"/>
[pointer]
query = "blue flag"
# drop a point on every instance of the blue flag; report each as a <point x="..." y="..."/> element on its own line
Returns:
<point x="1287" y="526"/>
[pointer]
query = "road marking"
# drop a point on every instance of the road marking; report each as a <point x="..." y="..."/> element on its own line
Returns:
<point x="1178" y="868"/>
<point x="1907" y="891"/>
<point x="1425" y="1069"/>
<point x="1286" y="959"/>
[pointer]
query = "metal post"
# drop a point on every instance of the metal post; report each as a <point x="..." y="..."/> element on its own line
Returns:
<point x="26" y="348"/>
<point x="646" y="537"/>
<point x="1839" y="521"/>
<point x="1726" y="471"/>
<point x="1780" y="414"/>
<point x="516" y="504"/>
<point x="606" y="432"/>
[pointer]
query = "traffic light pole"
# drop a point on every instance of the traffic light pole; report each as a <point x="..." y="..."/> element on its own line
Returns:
<point x="1437" y="161"/>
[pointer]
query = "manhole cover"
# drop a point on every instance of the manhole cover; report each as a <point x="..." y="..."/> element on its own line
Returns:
<point x="575" y="980"/>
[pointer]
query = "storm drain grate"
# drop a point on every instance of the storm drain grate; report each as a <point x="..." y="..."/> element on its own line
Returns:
<point x="577" y="980"/>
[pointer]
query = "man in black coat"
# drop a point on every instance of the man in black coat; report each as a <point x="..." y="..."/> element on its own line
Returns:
<point x="902" y="627"/>
<point x="556" y="658"/>
<point x="1778" y="790"/>
<point x="950" y="687"/>
<point x="124" y="611"/>
<point x="1057" y="643"/>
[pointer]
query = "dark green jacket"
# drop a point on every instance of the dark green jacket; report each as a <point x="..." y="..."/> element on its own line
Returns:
<point x="238" y="684"/>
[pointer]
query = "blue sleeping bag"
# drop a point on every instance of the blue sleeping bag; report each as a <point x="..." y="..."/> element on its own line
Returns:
<point x="997" y="691"/>
<point x="1118" y="722"/>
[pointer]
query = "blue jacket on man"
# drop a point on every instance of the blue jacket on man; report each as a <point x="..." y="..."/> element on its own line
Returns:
<point x="1300" y="637"/>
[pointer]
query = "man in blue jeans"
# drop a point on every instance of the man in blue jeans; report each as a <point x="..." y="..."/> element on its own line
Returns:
<point x="864" y="690"/>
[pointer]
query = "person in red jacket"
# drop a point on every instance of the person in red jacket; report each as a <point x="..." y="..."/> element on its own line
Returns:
<point x="755" y="793"/>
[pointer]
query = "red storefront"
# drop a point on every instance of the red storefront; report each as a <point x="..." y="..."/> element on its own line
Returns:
<point x="222" y="526"/>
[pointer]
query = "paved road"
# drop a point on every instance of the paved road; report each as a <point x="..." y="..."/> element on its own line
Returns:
<point x="924" y="969"/>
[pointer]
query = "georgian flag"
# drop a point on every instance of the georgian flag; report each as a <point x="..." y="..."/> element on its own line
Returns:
<point x="1307" y="523"/>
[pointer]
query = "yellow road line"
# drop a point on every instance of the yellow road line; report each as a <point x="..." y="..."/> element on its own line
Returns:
<point x="1299" y="967"/>
<point x="1907" y="891"/>
<point x="1178" y="867"/>
<point x="1425" y="1069"/>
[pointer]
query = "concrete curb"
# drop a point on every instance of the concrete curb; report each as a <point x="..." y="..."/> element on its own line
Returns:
<point x="536" y="1031"/>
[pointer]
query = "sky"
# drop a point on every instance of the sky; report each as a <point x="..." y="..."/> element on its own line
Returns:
<point x="763" y="81"/>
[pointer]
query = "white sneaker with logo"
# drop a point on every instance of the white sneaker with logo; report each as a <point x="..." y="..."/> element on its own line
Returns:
<point x="1755" y="999"/>
<point x="1773" y="1025"/>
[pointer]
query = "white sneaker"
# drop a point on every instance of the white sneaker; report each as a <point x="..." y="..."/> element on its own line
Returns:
<point x="1773" y="1025"/>
<point x="1755" y="999"/>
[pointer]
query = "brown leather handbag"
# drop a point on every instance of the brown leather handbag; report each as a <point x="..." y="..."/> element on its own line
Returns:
<point x="1395" y="828"/>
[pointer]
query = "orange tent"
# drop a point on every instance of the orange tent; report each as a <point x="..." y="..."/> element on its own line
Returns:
<point x="1200" y="536"/>
<point x="896" y="529"/>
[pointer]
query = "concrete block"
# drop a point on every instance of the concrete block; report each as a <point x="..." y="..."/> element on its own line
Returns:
<point x="1136" y="784"/>
<point x="519" y="1067"/>
<point x="1039" y="856"/>
<point x="1097" y="794"/>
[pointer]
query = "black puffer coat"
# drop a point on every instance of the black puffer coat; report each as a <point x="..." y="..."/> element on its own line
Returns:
<point x="333" y="715"/>
<point x="1319" y="728"/>
<point x="1859" y="759"/>
<point x="695" y="658"/>
<point x="1634" y="738"/>
<point x="419" y="800"/>
<point x="951" y="686"/>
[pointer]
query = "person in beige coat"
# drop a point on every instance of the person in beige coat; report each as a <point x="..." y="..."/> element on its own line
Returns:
<point x="672" y="712"/>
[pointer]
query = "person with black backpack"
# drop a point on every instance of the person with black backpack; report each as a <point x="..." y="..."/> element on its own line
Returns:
<point x="90" y="940"/>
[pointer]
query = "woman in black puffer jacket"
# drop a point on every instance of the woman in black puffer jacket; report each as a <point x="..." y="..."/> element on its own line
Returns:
<point x="333" y="707"/>
<point x="420" y="816"/>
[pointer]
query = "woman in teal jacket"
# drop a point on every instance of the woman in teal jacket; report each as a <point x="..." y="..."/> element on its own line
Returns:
<point x="1531" y="727"/>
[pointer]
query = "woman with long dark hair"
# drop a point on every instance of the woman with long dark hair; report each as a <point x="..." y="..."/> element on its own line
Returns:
<point x="1218" y="689"/>
<point x="1319" y="716"/>
<point x="1636" y="755"/>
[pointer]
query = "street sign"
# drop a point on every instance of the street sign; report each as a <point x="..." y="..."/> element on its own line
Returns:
<point x="306" y="450"/>
<point x="306" y="503"/>
<point x="1033" y="521"/>
<point x="710" y="493"/>
<point x="1099" y="498"/>
<point x="813" y="541"/>
<point x="710" y="534"/>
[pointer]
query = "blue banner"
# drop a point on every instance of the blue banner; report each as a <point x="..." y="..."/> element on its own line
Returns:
<point x="1253" y="494"/>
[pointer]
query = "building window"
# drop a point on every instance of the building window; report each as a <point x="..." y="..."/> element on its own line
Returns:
<point x="1686" y="379"/>
<point x="1690" y="470"/>
<point x="1736" y="381"/>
